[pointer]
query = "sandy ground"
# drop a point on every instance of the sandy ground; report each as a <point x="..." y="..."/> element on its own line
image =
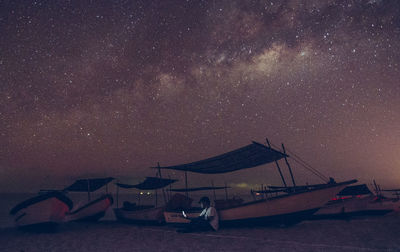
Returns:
<point x="366" y="234"/>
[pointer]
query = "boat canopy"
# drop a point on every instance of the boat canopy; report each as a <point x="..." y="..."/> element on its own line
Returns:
<point x="88" y="185"/>
<point x="249" y="156"/>
<point x="150" y="183"/>
<point x="355" y="190"/>
<point x="193" y="189"/>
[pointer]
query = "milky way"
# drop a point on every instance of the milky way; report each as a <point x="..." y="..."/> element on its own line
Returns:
<point x="95" y="88"/>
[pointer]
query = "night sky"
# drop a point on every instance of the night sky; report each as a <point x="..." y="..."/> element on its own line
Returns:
<point x="110" y="88"/>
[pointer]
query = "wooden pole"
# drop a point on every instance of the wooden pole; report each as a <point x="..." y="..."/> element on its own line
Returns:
<point x="376" y="188"/>
<point x="226" y="192"/>
<point x="186" y="185"/>
<point x="88" y="186"/>
<point x="212" y="184"/>
<point x="163" y="191"/>
<point x="266" y="193"/>
<point x="117" y="195"/>
<point x="277" y="165"/>
<point x="290" y="169"/>
<point x="156" y="197"/>
<point x="170" y="187"/>
<point x="262" y="191"/>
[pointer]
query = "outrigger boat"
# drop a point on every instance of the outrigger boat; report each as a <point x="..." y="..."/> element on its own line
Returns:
<point x="289" y="208"/>
<point x="145" y="214"/>
<point x="43" y="211"/>
<point x="356" y="200"/>
<point x="93" y="210"/>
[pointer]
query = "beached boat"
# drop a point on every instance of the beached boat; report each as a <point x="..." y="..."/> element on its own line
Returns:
<point x="146" y="214"/>
<point x="356" y="200"/>
<point x="92" y="210"/>
<point x="291" y="207"/>
<point x="45" y="210"/>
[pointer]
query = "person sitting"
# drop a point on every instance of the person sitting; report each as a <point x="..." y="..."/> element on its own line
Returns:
<point x="208" y="219"/>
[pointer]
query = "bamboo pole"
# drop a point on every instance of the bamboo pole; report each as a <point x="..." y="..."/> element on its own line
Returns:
<point x="88" y="186"/>
<point x="212" y="184"/>
<point x="226" y="192"/>
<point x="186" y="184"/>
<point x="163" y="191"/>
<point x="290" y="169"/>
<point x="277" y="166"/>
<point x="117" y="194"/>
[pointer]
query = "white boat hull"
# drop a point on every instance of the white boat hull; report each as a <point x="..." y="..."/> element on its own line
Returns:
<point x="288" y="208"/>
<point x="358" y="206"/>
<point x="48" y="211"/>
<point x="92" y="211"/>
<point x="288" y="205"/>
<point x="148" y="215"/>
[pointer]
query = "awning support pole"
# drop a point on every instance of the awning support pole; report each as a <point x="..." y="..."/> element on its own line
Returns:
<point x="186" y="185"/>
<point x="88" y="189"/>
<point x="290" y="169"/>
<point x="277" y="166"/>
<point x="226" y="192"/>
<point x="117" y="194"/>
<point x="212" y="184"/>
<point x="163" y="191"/>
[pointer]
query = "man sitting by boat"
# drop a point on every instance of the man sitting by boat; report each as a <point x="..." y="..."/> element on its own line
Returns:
<point x="208" y="219"/>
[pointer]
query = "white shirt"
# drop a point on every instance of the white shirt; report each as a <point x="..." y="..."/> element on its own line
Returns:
<point x="208" y="212"/>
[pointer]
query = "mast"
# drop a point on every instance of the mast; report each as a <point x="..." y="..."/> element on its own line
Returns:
<point x="279" y="168"/>
<point x="290" y="169"/>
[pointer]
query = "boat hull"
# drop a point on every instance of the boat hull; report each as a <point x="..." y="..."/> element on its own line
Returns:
<point x="92" y="211"/>
<point x="153" y="215"/>
<point x="357" y="207"/>
<point x="287" y="209"/>
<point x="42" y="211"/>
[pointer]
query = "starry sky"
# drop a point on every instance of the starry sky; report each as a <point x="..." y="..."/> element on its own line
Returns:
<point x="110" y="88"/>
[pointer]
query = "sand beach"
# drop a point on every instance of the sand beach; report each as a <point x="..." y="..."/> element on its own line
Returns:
<point x="362" y="234"/>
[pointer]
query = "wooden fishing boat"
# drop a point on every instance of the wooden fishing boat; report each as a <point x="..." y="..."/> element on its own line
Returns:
<point x="356" y="200"/>
<point x="288" y="208"/>
<point x="42" y="211"/>
<point x="93" y="210"/>
<point x="291" y="207"/>
<point x="144" y="214"/>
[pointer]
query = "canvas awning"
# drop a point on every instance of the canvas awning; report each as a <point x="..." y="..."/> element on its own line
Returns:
<point x="88" y="185"/>
<point x="355" y="190"/>
<point x="193" y="189"/>
<point x="252" y="155"/>
<point x="150" y="183"/>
